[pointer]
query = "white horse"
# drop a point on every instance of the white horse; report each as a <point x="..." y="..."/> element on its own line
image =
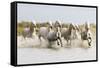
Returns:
<point x="67" y="33"/>
<point x="86" y="34"/>
<point x="50" y="33"/>
<point x="75" y="32"/>
<point x="29" y="31"/>
<point x="34" y="34"/>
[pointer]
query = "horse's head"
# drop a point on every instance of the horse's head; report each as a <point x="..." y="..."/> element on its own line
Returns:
<point x="50" y="23"/>
<point x="57" y="24"/>
<point x="87" y="26"/>
<point x="33" y="26"/>
<point x="77" y="27"/>
<point x="71" y="26"/>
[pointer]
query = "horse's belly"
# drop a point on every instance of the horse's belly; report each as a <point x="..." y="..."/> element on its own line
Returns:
<point x="52" y="37"/>
<point x="43" y="32"/>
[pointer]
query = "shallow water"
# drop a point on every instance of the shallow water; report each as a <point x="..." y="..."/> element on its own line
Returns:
<point x="30" y="51"/>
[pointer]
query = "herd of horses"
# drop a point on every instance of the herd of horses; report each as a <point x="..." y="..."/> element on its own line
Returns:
<point x="54" y="32"/>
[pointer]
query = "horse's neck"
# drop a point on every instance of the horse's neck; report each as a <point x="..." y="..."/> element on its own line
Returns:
<point x="69" y="31"/>
<point x="58" y="29"/>
<point x="27" y="29"/>
<point x="89" y="32"/>
<point x="51" y="30"/>
<point x="34" y="31"/>
<point x="58" y="32"/>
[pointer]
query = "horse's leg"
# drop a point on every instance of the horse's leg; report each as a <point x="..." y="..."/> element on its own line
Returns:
<point x="70" y="42"/>
<point x="50" y="44"/>
<point x="24" y="37"/>
<point x="89" y="41"/>
<point x="67" y="41"/>
<point x="40" y="39"/>
<point x="75" y="36"/>
<point x="60" y="42"/>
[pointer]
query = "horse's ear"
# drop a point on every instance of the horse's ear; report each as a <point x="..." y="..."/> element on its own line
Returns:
<point x="70" y="25"/>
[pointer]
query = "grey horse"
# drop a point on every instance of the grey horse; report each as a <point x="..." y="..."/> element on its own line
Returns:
<point x="50" y="33"/>
<point x="67" y="34"/>
<point x="86" y="34"/>
<point x="76" y="32"/>
<point x="28" y="30"/>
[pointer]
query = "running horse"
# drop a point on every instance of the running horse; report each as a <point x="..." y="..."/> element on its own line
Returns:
<point x="86" y="34"/>
<point x="67" y="33"/>
<point x="29" y="30"/>
<point x="76" y="32"/>
<point x="50" y="33"/>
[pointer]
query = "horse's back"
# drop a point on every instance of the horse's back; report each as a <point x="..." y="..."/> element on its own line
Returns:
<point x="26" y="33"/>
<point x="43" y="31"/>
<point x="51" y="36"/>
<point x="84" y="35"/>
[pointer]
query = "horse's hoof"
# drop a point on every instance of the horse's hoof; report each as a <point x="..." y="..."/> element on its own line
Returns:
<point x="61" y="46"/>
<point x="89" y="44"/>
<point x="58" y="44"/>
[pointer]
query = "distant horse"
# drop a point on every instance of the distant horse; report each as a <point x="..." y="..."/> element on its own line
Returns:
<point x="76" y="32"/>
<point x="50" y="33"/>
<point x="58" y="28"/>
<point x="86" y="34"/>
<point x="67" y="33"/>
<point x="26" y="32"/>
<point x="29" y="30"/>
